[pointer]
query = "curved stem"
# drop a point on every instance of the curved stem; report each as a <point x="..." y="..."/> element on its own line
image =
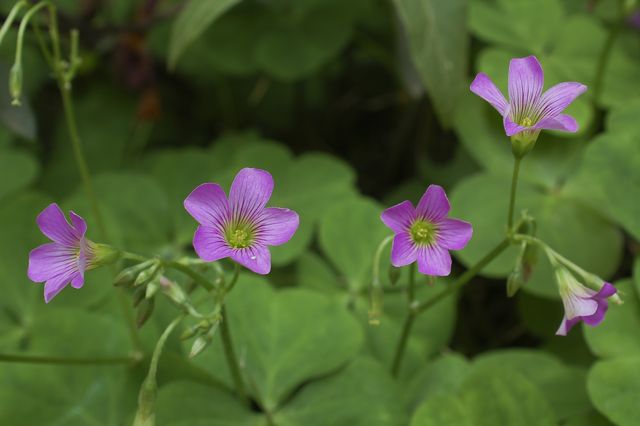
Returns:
<point x="230" y="355"/>
<point x="411" y="288"/>
<point x="10" y="18"/>
<point x="375" y="310"/>
<point x="234" y="278"/>
<point x="402" y="343"/>
<point x="54" y="360"/>
<point x="514" y="187"/>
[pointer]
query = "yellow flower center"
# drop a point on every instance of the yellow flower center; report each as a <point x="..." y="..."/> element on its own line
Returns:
<point x="527" y="122"/>
<point x="240" y="236"/>
<point x="422" y="232"/>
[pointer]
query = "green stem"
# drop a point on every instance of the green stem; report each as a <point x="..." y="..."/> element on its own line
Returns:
<point x="234" y="278"/>
<point x="411" y="288"/>
<point x="418" y="308"/>
<point x="232" y="360"/>
<point x="37" y="359"/>
<point x="375" y="310"/>
<point x="605" y="55"/>
<point x="514" y="187"/>
<point x="464" y="278"/>
<point x="12" y="16"/>
<point x="198" y="278"/>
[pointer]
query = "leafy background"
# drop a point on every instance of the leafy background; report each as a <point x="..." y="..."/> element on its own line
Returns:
<point x="352" y="106"/>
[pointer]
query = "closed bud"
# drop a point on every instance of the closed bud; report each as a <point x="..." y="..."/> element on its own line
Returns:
<point x="394" y="274"/>
<point x="145" y="309"/>
<point x="152" y="288"/>
<point x="173" y="291"/>
<point x="138" y="296"/>
<point x="128" y="276"/>
<point x="515" y="281"/>
<point x="199" y="345"/>
<point x="15" y="83"/>
<point x="146" y="416"/>
<point x="147" y="275"/>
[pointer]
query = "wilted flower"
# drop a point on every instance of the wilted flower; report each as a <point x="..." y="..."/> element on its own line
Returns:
<point x="425" y="234"/>
<point x="580" y="302"/>
<point x="529" y="110"/>
<point x="70" y="254"/>
<point x="240" y="227"/>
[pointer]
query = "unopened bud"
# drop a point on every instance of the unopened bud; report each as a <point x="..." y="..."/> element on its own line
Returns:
<point x="394" y="274"/>
<point x="144" y="312"/>
<point x="15" y="83"/>
<point x="199" y="345"/>
<point x="146" y="276"/>
<point x="515" y="281"/>
<point x="128" y="276"/>
<point x="146" y="415"/>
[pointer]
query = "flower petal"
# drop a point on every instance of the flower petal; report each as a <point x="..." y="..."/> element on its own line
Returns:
<point x="250" y="191"/>
<point x="403" y="250"/>
<point x="56" y="284"/>
<point x="562" y="122"/>
<point x="511" y="128"/>
<point x="434" y="204"/>
<point x="434" y="260"/>
<point x="208" y="204"/>
<point x="576" y="306"/>
<point x="557" y="98"/>
<point x="606" y="291"/>
<point x="256" y="258"/>
<point x="526" y="79"/>
<point x="454" y="234"/>
<point x="51" y="260"/>
<point x="566" y="325"/>
<point x="277" y="226"/>
<point x="210" y="244"/>
<point x="78" y="223"/>
<point x="599" y="314"/>
<point x="54" y="225"/>
<point x="487" y="90"/>
<point x="399" y="217"/>
<point x="78" y="280"/>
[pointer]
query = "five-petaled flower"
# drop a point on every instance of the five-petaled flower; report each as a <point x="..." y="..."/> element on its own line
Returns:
<point x="580" y="302"/>
<point x="240" y="227"/>
<point x="66" y="259"/>
<point x="529" y="110"/>
<point x="425" y="234"/>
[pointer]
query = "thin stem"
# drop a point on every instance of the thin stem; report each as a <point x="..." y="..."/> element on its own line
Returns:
<point x="375" y="310"/>
<point x="411" y="288"/>
<point x="464" y="278"/>
<point x="232" y="360"/>
<point x="402" y="343"/>
<point x="234" y="278"/>
<point x="514" y="187"/>
<point x="12" y="16"/>
<point x="155" y="358"/>
<point x="23" y="27"/>
<point x="53" y="360"/>
<point x="198" y="278"/>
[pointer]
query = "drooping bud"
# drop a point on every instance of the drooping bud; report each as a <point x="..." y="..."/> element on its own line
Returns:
<point x="173" y="291"/>
<point x="146" y="415"/>
<point x="199" y="345"/>
<point x="15" y="83"/>
<point x="145" y="309"/>
<point x="515" y="281"/>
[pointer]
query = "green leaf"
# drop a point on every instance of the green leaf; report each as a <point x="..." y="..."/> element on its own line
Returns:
<point x="17" y="171"/>
<point x="618" y="335"/>
<point x="608" y="176"/>
<point x="614" y="387"/>
<point x="349" y="236"/>
<point x="194" y="19"/>
<point x="562" y="385"/>
<point x="205" y="405"/>
<point x="489" y="396"/>
<point x="273" y="331"/>
<point x="483" y="199"/>
<point x="362" y="394"/>
<point x="439" y="45"/>
<point x="444" y="375"/>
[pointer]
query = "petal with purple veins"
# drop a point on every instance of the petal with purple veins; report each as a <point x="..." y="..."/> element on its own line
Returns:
<point x="434" y="204"/>
<point x="557" y="99"/>
<point x="511" y="128"/>
<point x="210" y="244"/>
<point x="566" y="325"/>
<point x="562" y="122"/>
<point x="399" y="217"/>
<point x="78" y="223"/>
<point x="487" y="90"/>
<point x="403" y="250"/>
<point x="454" y="234"/>
<point x="256" y="258"/>
<point x="51" y="260"/>
<point x="250" y="191"/>
<point x="277" y="225"/>
<point x="54" y="225"/>
<point x="208" y="204"/>
<point x="434" y="260"/>
<point x="526" y="79"/>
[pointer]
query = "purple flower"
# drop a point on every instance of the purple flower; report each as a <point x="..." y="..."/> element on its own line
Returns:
<point x="580" y="302"/>
<point x="529" y="110"/>
<point x="634" y="19"/>
<point x="240" y="227"/>
<point x="64" y="260"/>
<point x="425" y="233"/>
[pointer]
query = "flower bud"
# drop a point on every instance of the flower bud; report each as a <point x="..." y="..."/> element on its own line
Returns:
<point x="138" y="296"/>
<point x="173" y="291"/>
<point x="15" y="83"/>
<point x="199" y="345"/>
<point x="145" y="309"/>
<point x="146" y="276"/>
<point x="394" y="274"/>
<point x="145" y="416"/>
<point x="127" y="276"/>
<point x="529" y="261"/>
<point x="515" y="281"/>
